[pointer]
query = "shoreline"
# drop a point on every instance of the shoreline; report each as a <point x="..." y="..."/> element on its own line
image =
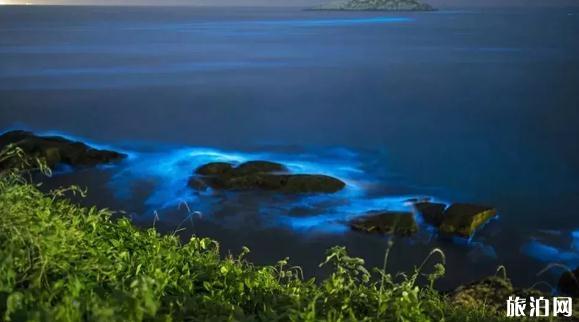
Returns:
<point x="112" y="259"/>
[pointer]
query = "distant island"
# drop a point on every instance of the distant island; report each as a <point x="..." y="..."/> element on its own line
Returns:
<point x="376" y="5"/>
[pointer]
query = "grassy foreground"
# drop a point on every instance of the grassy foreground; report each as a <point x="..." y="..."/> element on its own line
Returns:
<point x="61" y="262"/>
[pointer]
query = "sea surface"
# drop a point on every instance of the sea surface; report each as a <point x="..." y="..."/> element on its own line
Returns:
<point x="464" y="105"/>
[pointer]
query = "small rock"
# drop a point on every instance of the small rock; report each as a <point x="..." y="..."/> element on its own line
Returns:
<point x="432" y="213"/>
<point x="463" y="219"/>
<point x="389" y="222"/>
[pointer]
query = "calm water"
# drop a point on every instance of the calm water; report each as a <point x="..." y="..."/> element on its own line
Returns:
<point x="463" y="105"/>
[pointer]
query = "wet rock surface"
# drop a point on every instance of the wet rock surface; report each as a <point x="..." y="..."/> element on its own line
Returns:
<point x="459" y="219"/>
<point x="464" y="219"/>
<point x="56" y="150"/>
<point x="263" y="175"/>
<point x="388" y="222"/>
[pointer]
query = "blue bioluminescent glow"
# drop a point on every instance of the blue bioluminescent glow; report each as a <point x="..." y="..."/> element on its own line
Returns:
<point x="334" y="218"/>
<point x="550" y="254"/>
<point x="167" y="172"/>
<point x="172" y="169"/>
<point x="575" y="240"/>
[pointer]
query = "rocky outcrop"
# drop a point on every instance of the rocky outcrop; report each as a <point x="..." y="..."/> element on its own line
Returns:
<point x="56" y="150"/>
<point x="388" y="222"/>
<point x="378" y="5"/>
<point x="459" y="219"/>
<point x="262" y="175"/>
<point x="464" y="219"/>
<point x="490" y="293"/>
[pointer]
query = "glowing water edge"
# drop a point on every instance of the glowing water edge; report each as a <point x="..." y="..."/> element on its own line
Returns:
<point x="313" y="221"/>
<point x="171" y="170"/>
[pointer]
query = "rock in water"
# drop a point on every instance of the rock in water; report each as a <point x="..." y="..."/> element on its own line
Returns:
<point x="458" y="219"/>
<point x="312" y="183"/>
<point x="432" y="213"/>
<point x="389" y="222"/>
<point x="246" y="168"/>
<point x="57" y="150"/>
<point x="253" y="167"/>
<point x="569" y="283"/>
<point x="379" y="5"/>
<point x="293" y="184"/>
<point x="197" y="184"/>
<point x="264" y="175"/>
<point x="215" y="169"/>
<point x="463" y="219"/>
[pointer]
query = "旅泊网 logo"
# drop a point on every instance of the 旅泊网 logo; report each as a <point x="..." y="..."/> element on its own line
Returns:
<point x="539" y="307"/>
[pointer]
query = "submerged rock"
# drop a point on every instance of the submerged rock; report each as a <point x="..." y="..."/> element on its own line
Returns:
<point x="57" y="150"/>
<point x="389" y="222"/>
<point x="463" y="219"/>
<point x="569" y="283"/>
<point x="264" y="175"/>
<point x="379" y="5"/>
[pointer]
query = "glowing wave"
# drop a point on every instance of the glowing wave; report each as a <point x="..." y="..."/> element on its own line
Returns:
<point x="545" y="252"/>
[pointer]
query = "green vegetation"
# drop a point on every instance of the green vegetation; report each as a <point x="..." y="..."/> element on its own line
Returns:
<point x="62" y="262"/>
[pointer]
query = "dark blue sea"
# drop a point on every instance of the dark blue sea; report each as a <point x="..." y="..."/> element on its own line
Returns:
<point x="464" y="105"/>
